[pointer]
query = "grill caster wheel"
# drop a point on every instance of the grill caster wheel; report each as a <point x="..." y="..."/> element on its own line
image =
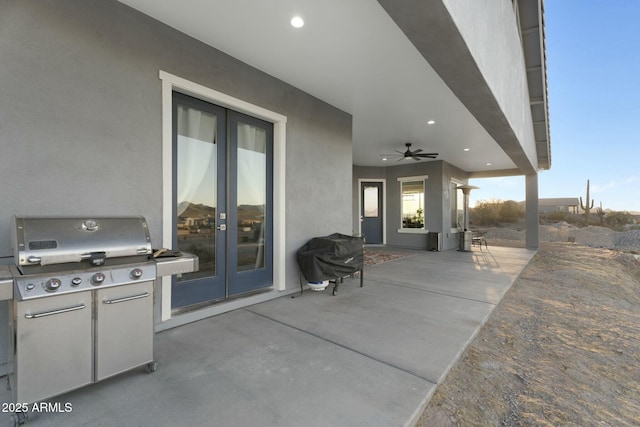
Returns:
<point x="18" y="418"/>
<point x="151" y="367"/>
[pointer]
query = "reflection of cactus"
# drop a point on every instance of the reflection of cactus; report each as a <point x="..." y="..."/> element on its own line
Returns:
<point x="585" y="207"/>
<point x="601" y="213"/>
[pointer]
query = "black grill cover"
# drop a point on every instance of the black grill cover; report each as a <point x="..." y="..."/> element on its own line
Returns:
<point x="331" y="257"/>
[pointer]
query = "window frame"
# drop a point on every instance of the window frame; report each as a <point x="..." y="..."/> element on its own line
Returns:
<point x="457" y="194"/>
<point x="401" y="181"/>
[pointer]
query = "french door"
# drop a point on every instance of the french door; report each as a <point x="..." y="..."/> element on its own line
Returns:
<point x="222" y="199"/>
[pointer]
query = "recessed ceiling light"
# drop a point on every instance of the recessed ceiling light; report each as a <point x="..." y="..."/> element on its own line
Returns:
<point x="384" y="159"/>
<point x="467" y="149"/>
<point x="488" y="164"/>
<point x="430" y="122"/>
<point x="297" y="22"/>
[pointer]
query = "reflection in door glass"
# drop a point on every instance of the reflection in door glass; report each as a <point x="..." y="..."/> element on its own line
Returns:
<point x="196" y="187"/>
<point x="371" y="202"/>
<point x="252" y="196"/>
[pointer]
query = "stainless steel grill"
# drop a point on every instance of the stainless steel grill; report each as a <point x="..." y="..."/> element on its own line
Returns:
<point x="82" y="302"/>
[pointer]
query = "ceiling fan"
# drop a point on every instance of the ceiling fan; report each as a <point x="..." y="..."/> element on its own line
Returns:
<point x="415" y="155"/>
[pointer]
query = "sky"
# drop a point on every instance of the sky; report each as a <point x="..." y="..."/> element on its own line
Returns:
<point x="593" y="78"/>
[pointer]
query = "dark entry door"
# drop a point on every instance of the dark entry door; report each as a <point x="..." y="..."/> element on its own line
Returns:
<point x="222" y="200"/>
<point x="371" y="214"/>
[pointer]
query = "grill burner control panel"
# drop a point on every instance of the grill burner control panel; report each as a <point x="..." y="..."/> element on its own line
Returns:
<point x="40" y="285"/>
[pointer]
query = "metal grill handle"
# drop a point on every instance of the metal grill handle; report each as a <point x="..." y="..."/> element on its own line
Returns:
<point x="52" y="312"/>
<point x="117" y="300"/>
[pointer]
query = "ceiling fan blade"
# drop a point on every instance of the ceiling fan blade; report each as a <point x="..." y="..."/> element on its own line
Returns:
<point x="415" y="155"/>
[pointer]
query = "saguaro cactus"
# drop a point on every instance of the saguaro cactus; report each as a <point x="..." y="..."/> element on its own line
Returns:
<point x="601" y="213"/>
<point x="585" y="207"/>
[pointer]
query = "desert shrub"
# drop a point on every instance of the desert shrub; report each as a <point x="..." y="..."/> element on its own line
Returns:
<point x="510" y="211"/>
<point x="617" y="220"/>
<point x="484" y="213"/>
<point x="494" y="212"/>
<point x="570" y="218"/>
<point x="558" y="216"/>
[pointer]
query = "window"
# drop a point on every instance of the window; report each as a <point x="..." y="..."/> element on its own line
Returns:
<point x="457" y="206"/>
<point x="412" y="203"/>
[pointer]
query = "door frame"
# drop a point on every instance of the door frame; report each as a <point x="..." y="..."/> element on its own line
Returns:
<point x="384" y="205"/>
<point x="171" y="83"/>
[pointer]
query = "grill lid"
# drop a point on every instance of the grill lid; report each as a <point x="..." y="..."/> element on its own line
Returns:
<point x="57" y="240"/>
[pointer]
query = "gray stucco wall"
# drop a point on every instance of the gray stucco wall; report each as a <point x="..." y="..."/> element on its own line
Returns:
<point x="450" y="238"/>
<point x="490" y="30"/>
<point x="80" y="119"/>
<point x="81" y="130"/>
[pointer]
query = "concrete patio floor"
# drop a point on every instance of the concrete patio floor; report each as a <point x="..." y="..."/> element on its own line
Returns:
<point x="368" y="356"/>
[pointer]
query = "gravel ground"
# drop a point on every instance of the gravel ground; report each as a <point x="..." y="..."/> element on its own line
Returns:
<point x="561" y="348"/>
<point x="592" y="236"/>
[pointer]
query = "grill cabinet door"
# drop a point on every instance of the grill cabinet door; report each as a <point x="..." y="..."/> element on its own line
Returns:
<point x="124" y="328"/>
<point x="53" y="346"/>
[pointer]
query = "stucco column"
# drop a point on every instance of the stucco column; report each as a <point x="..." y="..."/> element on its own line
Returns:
<point x="531" y="207"/>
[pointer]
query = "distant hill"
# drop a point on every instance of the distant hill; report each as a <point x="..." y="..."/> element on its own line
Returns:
<point x="250" y="213"/>
<point x="191" y="210"/>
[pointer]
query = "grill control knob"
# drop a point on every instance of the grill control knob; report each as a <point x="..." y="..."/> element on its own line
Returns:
<point x="76" y="281"/>
<point x="52" y="285"/>
<point x="136" y="273"/>
<point x="98" y="278"/>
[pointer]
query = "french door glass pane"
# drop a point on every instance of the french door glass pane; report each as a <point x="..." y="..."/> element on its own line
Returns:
<point x="196" y="187"/>
<point x="252" y="196"/>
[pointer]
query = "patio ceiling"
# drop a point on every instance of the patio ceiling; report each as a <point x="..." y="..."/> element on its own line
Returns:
<point x="352" y="55"/>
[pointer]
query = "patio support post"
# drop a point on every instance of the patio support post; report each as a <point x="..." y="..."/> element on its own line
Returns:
<point x="531" y="209"/>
